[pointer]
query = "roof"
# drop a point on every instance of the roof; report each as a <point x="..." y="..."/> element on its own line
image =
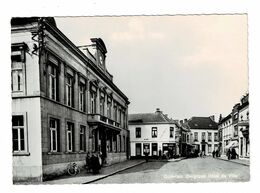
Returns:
<point x="202" y="123"/>
<point x="225" y="118"/>
<point x="157" y="117"/>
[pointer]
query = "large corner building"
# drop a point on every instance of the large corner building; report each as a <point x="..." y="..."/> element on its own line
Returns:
<point x="64" y="102"/>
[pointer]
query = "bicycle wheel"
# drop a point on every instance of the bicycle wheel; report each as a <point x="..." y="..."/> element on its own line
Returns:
<point x="71" y="170"/>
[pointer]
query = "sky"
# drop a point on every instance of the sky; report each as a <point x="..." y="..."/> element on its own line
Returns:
<point x="186" y="65"/>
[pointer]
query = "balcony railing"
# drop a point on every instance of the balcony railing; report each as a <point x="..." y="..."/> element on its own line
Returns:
<point x="103" y="119"/>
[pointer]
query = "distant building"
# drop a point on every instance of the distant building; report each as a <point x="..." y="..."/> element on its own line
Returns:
<point x="226" y="131"/>
<point x="153" y="131"/>
<point x="64" y="102"/>
<point x="186" y="140"/>
<point x="234" y="129"/>
<point x="243" y="127"/>
<point x="204" y="132"/>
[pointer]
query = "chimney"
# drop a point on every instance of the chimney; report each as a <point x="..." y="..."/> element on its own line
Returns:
<point x="212" y="117"/>
<point x="158" y="110"/>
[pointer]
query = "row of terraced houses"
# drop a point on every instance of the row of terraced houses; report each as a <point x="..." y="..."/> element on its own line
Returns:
<point x="65" y="104"/>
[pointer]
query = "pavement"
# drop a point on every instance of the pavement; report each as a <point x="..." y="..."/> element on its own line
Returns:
<point x="242" y="161"/>
<point x="85" y="178"/>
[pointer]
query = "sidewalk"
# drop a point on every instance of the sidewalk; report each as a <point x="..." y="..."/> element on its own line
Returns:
<point x="242" y="161"/>
<point x="85" y="178"/>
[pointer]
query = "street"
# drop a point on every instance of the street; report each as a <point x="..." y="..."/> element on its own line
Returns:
<point x="188" y="170"/>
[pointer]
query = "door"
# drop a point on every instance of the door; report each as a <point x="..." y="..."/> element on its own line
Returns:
<point x="138" y="149"/>
<point x="154" y="149"/>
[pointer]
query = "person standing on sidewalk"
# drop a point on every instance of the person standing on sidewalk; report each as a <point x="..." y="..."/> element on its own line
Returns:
<point x="213" y="153"/>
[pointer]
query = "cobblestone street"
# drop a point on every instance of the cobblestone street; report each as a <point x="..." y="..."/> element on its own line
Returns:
<point x="188" y="170"/>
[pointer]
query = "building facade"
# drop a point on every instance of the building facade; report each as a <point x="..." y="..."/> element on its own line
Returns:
<point x="204" y="131"/>
<point x="234" y="129"/>
<point x="64" y="102"/>
<point x="153" y="131"/>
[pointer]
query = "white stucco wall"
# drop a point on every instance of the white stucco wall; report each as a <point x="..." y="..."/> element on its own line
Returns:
<point x="212" y="142"/>
<point x="163" y="136"/>
<point x="29" y="166"/>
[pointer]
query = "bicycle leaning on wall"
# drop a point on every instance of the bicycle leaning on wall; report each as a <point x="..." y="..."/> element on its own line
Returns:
<point x="73" y="169"/>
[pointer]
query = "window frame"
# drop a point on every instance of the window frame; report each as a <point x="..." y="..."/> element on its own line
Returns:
<point x="138" y="132"/>
<point x="69" y="89"/>
<point x="82" y="138"/>
<point x="154" y="132"/>
<point x="171" y="132"/>
<point x="70" y="136"/>
<point x="82" y="96"/>
<point x="25" y="134"/>
<point x="57" y="134"/>
<point x="19" y="68"/>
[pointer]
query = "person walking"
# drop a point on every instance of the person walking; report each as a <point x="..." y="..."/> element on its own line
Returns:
<point x="213" y="153"/>
<point x="229" y="154"/>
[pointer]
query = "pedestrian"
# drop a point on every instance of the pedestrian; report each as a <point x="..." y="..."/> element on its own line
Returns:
<point x="229" y="154"/>
<point x="213" y="153"/>
<point x="95" y="164"/>
<point x="217" y="153"/>
<point x="88" y="163"/>
<point x="146" y="153"/>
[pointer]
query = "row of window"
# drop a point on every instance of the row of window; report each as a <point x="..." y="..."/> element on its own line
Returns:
<point x="53" y="78"/>
<point x="19" y="133"/>
<point x="203" y="136"/>
<point x="154" y="132"/>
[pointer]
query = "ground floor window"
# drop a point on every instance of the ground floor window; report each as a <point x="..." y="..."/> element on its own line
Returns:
<point x="19" y="133"/>
<point x="82" y="138"/>
<point x="70" y="137"/>
<point x="54" y="135"/>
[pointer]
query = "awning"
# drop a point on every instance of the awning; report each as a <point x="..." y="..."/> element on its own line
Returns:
<point x="232" y="144"/>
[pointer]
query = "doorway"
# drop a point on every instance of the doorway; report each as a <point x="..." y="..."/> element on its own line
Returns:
<point x="138" y="149"/>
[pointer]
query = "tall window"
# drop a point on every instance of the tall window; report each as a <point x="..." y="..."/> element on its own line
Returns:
<point x="52" y="72"/>
<point x="18" y="71"/>
<point x="70" y="137"/>
<point x="195" y="136"/>
<point x="102" y="103"/>
<point x="203" y="136"/>
<point x="216" y="136"/>
<point x="54" y="137"/>
<point x="188" y="138"/>
<point x="138" y="132"/>
<point x="93" y="102"/>
<point x="154" y="132"/>
<point x="82" y="97"/>
<point x="235" y="130"/>
<point x="171" y="132"/>
<point x="115" y="112"/>
<point x="119" y="116"/>
<point x="18" y="131"/>
<point x="82" y="138"/>
<point x="109" y="106"/>
<point x="209" y="137"/>
<point x="69" y="90"/>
